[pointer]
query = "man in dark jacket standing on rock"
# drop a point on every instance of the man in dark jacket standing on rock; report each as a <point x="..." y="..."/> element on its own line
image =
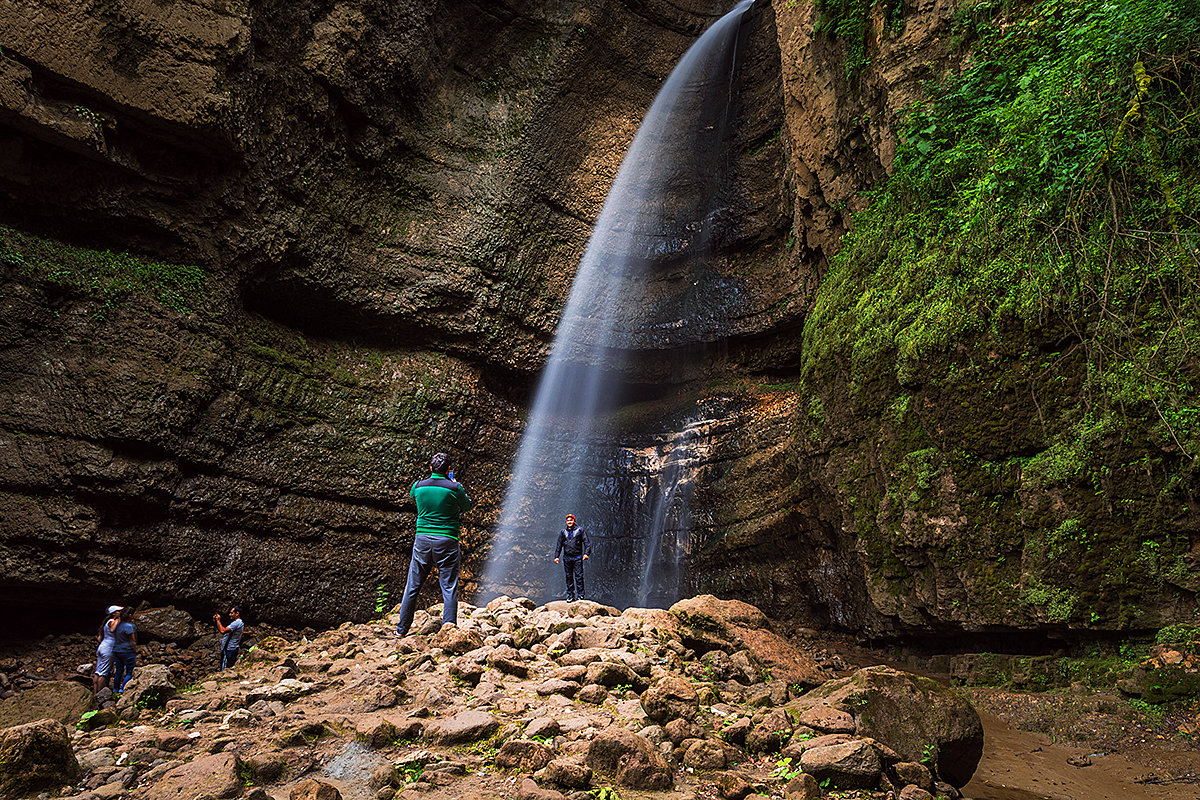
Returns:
<point x="440" y="501"/>
<point x="575" y="548"/>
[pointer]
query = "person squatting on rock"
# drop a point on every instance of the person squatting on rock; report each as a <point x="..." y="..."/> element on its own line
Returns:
<point x="575" y="548"/>
<point x="440" y="501"/>
<point x="231" y="641"/>
<point x="124" y="651"/>
<point x="105" y="639"/>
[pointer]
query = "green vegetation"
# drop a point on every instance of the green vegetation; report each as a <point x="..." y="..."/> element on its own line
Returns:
<point x="1050" y="183"/>
<point x="785" y="769"/>
<point x="1179" y="633"/>
<point x="109" y="277"/>
<point x="849" y="21"/>
<point x="1036" y="247"/>
<point x="381" y="599"/>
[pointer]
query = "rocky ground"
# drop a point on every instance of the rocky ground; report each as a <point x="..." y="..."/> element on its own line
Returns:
<point x="565" y="700"/>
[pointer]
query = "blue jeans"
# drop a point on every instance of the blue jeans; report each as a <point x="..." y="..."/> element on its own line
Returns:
<point x="427" y="552"/>
<point x="573" y="569"/>
<point x="229" y="657"/>
<point x="124" y="663"/>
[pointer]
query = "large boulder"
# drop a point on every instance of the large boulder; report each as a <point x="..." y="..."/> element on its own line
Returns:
<point x="35" y="757"/>
<point x="919" y="718"/>
<point x="213" y="775"/>
<point x="709" y="623"/>
<point x="670" y="698"/>
<point x="849" y="765"/>
<point x="64" y="701"/>
<point x="150" y="687"/>
<point x="631" y="760"/>
<point x="166" y="624"/>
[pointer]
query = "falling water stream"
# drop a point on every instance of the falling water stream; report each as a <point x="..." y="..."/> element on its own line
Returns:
<point x="645" y="281"/>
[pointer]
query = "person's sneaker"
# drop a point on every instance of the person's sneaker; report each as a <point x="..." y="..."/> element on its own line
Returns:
<point x="397" y="635"/>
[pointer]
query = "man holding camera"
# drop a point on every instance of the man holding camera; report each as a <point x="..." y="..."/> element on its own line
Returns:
<point x="440" y="501"/>
<point x="231" y="638"/>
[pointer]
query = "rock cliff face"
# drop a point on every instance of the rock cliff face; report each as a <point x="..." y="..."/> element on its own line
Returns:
<point x="353" y="227"/>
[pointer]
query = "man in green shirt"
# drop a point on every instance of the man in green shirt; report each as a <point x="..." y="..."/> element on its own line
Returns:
<point x="440" y="500"/>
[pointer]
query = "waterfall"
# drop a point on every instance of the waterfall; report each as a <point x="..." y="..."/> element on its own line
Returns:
<point x="644" y="282"/>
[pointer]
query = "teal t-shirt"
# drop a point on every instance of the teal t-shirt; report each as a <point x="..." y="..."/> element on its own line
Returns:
<point x="439" y="503"/>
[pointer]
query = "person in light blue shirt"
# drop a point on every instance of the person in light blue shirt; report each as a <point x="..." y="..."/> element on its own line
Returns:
<point x="440" y="501"/>
<point x="124" y="652"/>
<point x="231" y="642"/>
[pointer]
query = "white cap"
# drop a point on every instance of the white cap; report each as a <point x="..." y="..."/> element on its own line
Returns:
<point x="114" y="609"/>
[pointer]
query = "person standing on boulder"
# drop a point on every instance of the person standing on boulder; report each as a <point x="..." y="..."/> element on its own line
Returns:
<point x="231" y="641"/>
<point x="105" y="639"/>
<point x="440" y="502"/>
<point x="575" y="548"/>
<point x="124" y="650"/>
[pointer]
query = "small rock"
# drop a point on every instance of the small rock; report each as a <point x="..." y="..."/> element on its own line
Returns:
<point x="529" y="790"/>
<point x="456" y="641"/>
<point x="704" y="754"/>
<point x="170" y="741"/>
<point x="768" y="735"/>
<point x="607" y="673"/>
<point x="375" y="733"/>
<point x="913" y="773"/>
<point x="384" y="776"/>
<point x="1080" y="761"/>
<point x="238" y="718"/>
<point x="734" y="786"/>
<point x="669" y="698"/>
<point x="542" y="726"/>
<point x="313" y="789"/>
<point x="593" y="693"/>
<point x="558" y="686"/>
<point x="266" y="767"/>
<point x="463" y="728"/>
<point x="851" y="765"/>
<point x="524" y="755"/>
<point x="913" y="792"/>
<point x="569" y="774"/>
<point x="802" y="787"/>
<point x="735" y="733"/>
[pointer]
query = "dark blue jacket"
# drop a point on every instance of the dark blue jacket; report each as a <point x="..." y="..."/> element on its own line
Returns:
<point x="573" y="543"/>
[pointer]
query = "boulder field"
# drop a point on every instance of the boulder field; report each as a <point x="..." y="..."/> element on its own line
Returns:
<point x="517" y="700"/>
